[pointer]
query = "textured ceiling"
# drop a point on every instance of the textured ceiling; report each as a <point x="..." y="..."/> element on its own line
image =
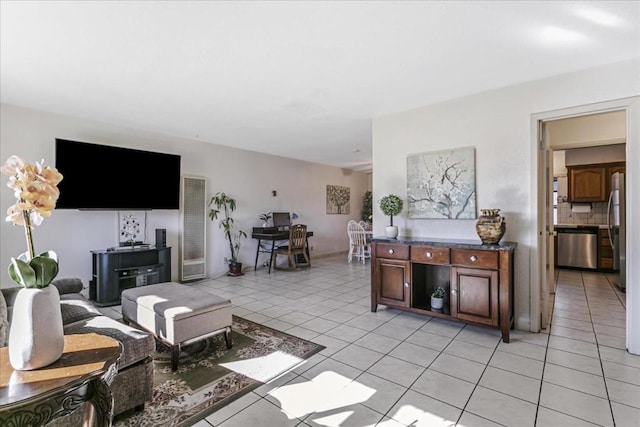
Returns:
<point x="297" y="79"/>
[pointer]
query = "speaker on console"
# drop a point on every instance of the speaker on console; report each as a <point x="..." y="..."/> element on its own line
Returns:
<point x="161" y="237"/>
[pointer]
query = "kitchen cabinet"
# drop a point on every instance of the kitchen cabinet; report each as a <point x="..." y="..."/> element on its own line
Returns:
<point x="605" y="251"/>
<point x="587" y="183"/>
<point x="592" y="183"/>
<point x="477" y="278"/>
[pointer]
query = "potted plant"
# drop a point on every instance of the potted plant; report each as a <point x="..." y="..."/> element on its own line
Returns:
<point x="224" y="203"/>
<point x="437" y="298"/>
<point x="391" y="205"/>
<point x="367" y="207"/>
<point x="265" y="217"/>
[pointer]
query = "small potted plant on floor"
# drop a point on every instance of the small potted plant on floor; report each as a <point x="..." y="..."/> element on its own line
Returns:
<point x="391" y="205"/>
<point x="222" y="202"/>
<point x="437" y="298"/>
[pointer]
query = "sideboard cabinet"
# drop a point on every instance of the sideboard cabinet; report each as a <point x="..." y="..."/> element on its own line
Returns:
<point x="477" y="278"/>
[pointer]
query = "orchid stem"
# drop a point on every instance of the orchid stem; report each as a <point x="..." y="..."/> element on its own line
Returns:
<point x="27" y="232"/>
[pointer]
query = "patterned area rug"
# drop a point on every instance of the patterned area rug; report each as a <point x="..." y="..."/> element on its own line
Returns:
<point x="210" y="376"/>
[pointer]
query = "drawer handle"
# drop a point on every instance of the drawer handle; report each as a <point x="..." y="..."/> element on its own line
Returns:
<point x="453" y="291"/>
<point x="406" y="284"/>
<point x="390" y="251"/>
<point x="473" y="258"/>
<point x="429" y="254"/>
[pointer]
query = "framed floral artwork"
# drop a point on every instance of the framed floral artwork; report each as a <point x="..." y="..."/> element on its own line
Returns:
<point x="338" y="199"/>
<point x="442" y="184"/>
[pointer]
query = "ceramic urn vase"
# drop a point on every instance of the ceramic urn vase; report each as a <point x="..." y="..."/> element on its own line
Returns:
<point x="490" y="226"/>
<point x="36" y="337"/>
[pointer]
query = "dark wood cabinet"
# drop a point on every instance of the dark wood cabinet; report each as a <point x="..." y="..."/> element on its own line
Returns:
<point x="393" y="280"/>
<point x="474" y="295"/>
<point x="587" y="184"/>
<point x="605" y="251"/>
<point x="478" y="279"/>
<point x="592" y="183"/>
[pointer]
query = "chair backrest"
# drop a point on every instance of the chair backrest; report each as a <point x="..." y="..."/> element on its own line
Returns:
<point x="356" y="233"/>
<point x="297" y="236"/>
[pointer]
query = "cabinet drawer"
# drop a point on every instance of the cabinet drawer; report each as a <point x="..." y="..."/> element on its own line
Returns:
<point x="392" y="251"/>
<point x="429" y="255"/>
<point x="474" y="258"/>
<point x="606" y="263"/>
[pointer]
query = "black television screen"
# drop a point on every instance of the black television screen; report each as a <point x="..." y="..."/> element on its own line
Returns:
<point x="103" y="177"/>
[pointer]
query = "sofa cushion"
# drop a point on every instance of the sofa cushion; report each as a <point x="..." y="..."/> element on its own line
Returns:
<point x="76" y="307"/>
<point x="136" y="344"/>
<point x="71" y="285"/>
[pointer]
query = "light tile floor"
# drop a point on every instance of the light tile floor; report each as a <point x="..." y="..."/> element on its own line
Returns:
<point x="394" y="369"/>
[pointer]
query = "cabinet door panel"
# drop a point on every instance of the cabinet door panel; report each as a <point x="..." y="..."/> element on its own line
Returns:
<point x="587" y="184"/>
<point x="393" y="279"/>
<point x="474" y="295"/>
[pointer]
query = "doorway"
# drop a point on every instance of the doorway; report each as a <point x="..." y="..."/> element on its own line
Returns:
<point x="542" y="272"/>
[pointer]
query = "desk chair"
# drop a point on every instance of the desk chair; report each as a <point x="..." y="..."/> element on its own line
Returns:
<point x="297" y="246"/>
<point x="358" y="244"/>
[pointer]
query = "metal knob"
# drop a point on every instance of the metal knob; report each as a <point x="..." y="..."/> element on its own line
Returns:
<point x="429" y="254"/>
<point x="391" y="251"/>
<point x="406" y="284"/>
<point x="473" y="258"/>
<point x="453" y="291"/>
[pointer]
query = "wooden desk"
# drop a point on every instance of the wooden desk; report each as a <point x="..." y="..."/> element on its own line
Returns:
<point x="273" y="238"/>
<point x="82" y="374"/>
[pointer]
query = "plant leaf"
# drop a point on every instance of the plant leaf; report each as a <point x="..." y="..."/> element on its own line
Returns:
<point x="45" y="268"/>
<point x="22" y="273"/>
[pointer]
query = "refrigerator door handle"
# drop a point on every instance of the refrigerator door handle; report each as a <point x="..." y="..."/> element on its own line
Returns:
<point x="609" y="226"/>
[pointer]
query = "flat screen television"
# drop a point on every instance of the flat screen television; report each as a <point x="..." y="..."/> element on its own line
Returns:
<point x="102" y="177"/>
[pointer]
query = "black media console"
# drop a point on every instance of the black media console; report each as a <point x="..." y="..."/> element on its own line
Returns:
<point x="117" y="270"/>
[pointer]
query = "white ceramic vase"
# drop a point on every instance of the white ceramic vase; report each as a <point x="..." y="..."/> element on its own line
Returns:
<point x="36" y="337"/>
<point x="391" y="231"/>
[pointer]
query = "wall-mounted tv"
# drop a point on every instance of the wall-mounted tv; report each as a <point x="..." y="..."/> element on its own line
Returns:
<point x="103" y="177"/>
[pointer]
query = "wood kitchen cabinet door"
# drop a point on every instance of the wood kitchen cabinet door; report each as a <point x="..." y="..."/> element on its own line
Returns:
<point x="588" y="184"/>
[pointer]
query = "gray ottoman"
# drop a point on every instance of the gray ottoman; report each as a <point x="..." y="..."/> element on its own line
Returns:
<point x="177" y="314"/>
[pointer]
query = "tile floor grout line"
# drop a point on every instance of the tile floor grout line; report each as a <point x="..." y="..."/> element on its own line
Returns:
<point x="604" y="377"/>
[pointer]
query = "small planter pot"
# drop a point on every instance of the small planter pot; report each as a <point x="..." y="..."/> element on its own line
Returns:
<point x="391" y="231"/>
<point x="437" y="303"/>
<point x="235" y="269"/>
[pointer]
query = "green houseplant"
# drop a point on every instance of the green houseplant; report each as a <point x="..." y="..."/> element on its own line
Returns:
<point x="225" y="204"/>
<point x="391" y="205"/>
<point x="437" y="298"/>
<point x="366" y="214"/>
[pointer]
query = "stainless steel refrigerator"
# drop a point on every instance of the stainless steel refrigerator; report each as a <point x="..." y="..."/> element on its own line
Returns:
<point x="616" y="224"/>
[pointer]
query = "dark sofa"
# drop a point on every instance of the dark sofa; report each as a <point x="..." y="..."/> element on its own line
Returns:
<point x="133" y="384"/>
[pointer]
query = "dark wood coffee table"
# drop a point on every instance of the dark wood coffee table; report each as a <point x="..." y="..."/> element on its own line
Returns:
<point x="82" y="374"/>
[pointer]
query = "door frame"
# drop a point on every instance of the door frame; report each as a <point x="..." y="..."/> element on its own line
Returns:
<point x="538" y="235"/>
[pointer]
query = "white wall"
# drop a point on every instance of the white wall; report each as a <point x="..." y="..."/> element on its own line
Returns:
<point x="497" y="124"/>
<point x="248" y="176"/>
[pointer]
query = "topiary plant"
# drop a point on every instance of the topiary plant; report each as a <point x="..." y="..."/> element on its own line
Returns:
<point x="391" y="205"/>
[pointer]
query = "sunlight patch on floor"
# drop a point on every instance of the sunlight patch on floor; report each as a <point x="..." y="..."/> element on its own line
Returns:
<point x="264" y="368"/>
<point x="326" y="392"/>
